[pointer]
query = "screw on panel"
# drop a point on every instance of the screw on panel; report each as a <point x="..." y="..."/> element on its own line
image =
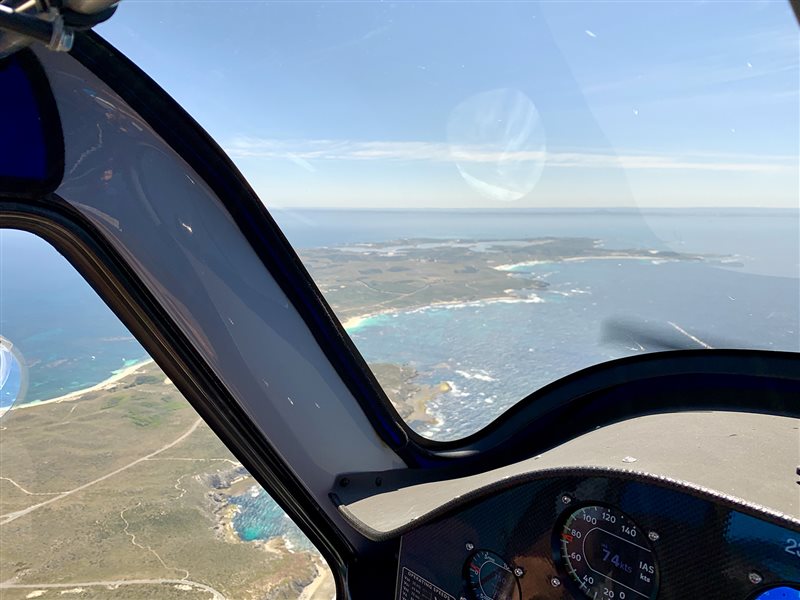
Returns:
<point x="470" y="547"/>
<point x="653" y="536"/>
<point x="755" y="577"/>
<point x="566" y="499"/>
<point x="518" y="571"/>
<point x="555" y="582"/>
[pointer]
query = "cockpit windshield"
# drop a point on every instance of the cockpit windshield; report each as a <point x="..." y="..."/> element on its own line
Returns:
<point x="493" y="195"/>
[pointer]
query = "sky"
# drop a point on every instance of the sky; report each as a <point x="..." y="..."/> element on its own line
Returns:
<point x="486" y="104"/>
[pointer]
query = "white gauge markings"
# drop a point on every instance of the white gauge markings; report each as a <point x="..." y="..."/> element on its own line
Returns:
<point x="603" y="556"/>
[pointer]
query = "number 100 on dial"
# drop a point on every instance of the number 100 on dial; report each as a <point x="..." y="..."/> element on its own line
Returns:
<point x="606" y="555"/>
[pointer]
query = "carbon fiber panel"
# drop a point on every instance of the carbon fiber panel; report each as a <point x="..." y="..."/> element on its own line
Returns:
<point x="705" y="549"/>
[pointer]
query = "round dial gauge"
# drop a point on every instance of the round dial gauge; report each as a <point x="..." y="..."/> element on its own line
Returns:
<point x="489" y="577"/>
<point x="607" y="555"/>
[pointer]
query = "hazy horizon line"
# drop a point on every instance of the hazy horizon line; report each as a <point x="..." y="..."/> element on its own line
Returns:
<point x="510" y="209"/>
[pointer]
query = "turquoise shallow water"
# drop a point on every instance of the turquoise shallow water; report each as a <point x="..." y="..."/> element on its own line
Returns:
<point x="260" y="518"/>
<point x="67" y="337"/>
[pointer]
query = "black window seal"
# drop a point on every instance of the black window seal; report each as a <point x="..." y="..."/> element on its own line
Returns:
<point x="742" y="380"/>
<point x="56" y="222"/>
<point x="186" y="137"/>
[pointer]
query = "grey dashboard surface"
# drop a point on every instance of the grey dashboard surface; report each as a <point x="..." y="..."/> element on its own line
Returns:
<point x="752" y="457"/>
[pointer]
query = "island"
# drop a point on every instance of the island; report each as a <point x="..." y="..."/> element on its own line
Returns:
<point x="361" y="281"/>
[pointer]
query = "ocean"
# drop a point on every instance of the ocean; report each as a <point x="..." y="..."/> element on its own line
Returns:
<point x="258" y="517"/>
<point x="67" y="337"/>
<point x="494" y="354"/>
<point x="491" y="354"/>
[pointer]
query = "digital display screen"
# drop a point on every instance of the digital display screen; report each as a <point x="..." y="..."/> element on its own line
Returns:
<point x="780" y="593"/>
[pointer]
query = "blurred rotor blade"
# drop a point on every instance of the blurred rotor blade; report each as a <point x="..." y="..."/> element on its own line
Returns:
<point x="645" y="336"/>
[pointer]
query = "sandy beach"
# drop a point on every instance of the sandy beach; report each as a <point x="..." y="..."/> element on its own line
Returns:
<point x="533" y="263"/>
<point x="103" y="385"/>
<point x="353" y="323"/>
<point x="322" y="588"/>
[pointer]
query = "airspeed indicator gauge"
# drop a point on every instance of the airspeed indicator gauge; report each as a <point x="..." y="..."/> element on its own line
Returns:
<point x="606" y="555"/>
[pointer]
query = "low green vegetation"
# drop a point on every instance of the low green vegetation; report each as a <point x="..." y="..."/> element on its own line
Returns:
<point x="409" y="397"/>
<point x="154" y="518"/>
<point x="372" y="278"/>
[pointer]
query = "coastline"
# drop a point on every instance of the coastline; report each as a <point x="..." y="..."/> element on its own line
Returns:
<point x="531" y="263"/>
<point x="322" y="584"/>
<point x="352" y="323"/>
<point x="74" y="395"/>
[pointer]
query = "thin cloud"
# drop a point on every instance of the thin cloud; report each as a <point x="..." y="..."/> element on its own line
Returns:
<point x="771" y="55"/>
<point x="305" y="152"/>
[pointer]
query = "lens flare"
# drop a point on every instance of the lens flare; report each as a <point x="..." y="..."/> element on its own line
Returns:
<point x="497" y="141"/>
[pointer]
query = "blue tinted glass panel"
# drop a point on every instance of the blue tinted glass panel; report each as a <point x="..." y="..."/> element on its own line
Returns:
<point x="31" y="141"/>
<point x="23" y="152"/>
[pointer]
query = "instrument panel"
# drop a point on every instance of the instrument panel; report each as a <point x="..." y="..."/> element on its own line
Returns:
<point x="601" y="535"/>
